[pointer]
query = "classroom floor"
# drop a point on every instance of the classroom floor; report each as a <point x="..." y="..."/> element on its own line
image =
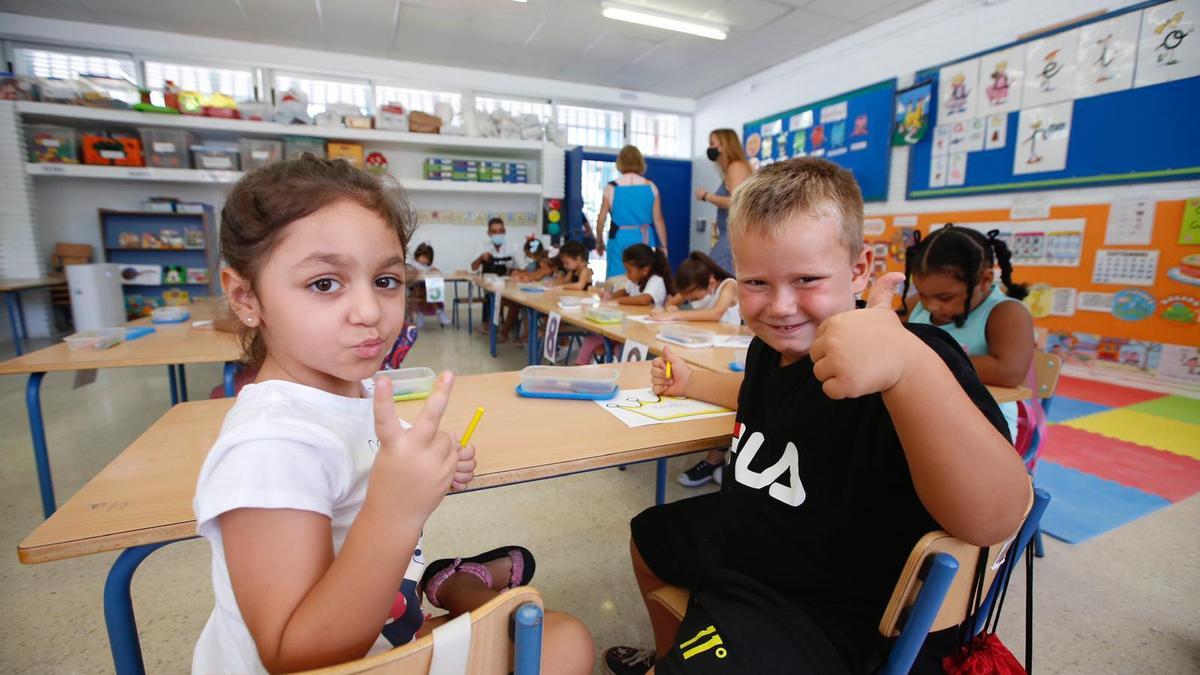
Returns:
<point x="1127" y="601"/>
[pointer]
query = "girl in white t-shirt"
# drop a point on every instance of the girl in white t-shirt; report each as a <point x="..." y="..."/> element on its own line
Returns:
<point x="709" y="291"/>
<point x="648" y="282"/>
<point x="314" y="495"/>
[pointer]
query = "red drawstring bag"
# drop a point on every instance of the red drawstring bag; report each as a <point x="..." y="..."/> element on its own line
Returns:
<point x="985" y="654"/>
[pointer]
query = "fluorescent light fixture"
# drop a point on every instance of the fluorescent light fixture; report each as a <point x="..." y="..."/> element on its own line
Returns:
<point x="664" y="21"/>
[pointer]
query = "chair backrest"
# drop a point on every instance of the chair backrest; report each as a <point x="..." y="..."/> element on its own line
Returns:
<point x="1046" y="367"/>
<point x="491" y="644"/>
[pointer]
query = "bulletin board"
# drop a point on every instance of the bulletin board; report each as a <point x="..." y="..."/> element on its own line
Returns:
<point x="1107" y="101"/>
<point x="851" y="129"/>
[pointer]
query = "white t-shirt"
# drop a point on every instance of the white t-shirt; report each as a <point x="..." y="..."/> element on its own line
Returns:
<point x="654" y="286"/>
<point x="732" y="315"/>
<point x="282" y="446"/>
<point x="506" y="250"/>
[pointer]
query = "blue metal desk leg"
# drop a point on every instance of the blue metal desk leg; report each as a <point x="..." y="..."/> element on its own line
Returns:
<point x="528" y="657"/>
<point x="14" y="320"/>
<point x="531" y="343"/>
<point x="183" y="395"/>
<point x="41" y="458"/>
<point x="470" y="301"/>
<point x="172" y="385"/>
<point x="660" y="481"/>
<point x="492" y="324"/>
<point x="118" y="610"/>
<point x="608" y="351"/>
<point x="230" y="372"/>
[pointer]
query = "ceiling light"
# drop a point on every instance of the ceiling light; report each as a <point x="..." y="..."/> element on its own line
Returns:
<point x="664" y="21"/>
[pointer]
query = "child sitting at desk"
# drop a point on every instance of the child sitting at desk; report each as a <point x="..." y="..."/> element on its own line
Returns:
<point x="855" y="436"/>
<point x="423" y="264"/>
<point x="574" y="273"/>
<point x="538" y="266"/>
<point x="707" y="288"/>
<point x="315" y="494"/>
<point x="648" y="283"/>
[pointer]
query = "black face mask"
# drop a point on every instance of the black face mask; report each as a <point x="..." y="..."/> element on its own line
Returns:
<point x="713" y="154"/>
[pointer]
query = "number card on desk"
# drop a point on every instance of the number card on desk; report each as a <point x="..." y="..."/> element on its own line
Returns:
<point x="550" y="348"/>
<point x="1135" y="268"/>
<point x="435" y="289"/>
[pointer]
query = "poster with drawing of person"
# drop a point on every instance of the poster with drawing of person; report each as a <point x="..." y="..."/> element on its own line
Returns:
<point x="1050" y="66"/>
<point x="1043" y="135"/>
<point x="1107" y="50"/>
<point x="1169" y="47"/>
<point x="1001" y="77"/>
<point x="958" y="86"/>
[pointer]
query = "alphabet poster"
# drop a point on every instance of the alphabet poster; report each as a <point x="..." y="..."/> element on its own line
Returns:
<point x="1169" y="48"/>
<point x="1107" y="51"/>
<point x="1043" y="135"/>
<point x="1050" y="65"/>
<point x="1001" y="79"/>
<point x="958" y="86"/>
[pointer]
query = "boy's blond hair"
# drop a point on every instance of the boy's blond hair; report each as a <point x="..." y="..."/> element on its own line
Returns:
<point x="767" y="200"/>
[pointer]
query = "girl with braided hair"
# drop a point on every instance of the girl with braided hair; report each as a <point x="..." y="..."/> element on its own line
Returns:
<point x="953" y="270"/>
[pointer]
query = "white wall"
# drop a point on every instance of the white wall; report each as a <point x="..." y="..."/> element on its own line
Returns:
<point x="934" y="33"/>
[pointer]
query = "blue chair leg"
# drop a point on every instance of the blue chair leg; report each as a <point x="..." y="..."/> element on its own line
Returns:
<point x="118" y="610"/>
<point x="1039" y="549"/>
<point x="528" y="657"/>
<point x="37" y="430"/>
<point x="183" y="395"/>
<point x="495" y="298"/>
<point x="608" y="351"/>
<point x="942" y="569"/>
<point x="171" y="383"/>
<point x="230" y="373"/>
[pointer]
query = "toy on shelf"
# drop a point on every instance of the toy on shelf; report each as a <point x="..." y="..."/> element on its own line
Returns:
<point x="150" y="241"/>
<point x="350" y="152"/>
<point x="197" y="275"/>
<point x="51" y="144"/>
<point x="170" y="238"/>
<point x="129" y="240"/>
<point x="193" y="237"/>
<point x="141" y="275"/>
<point x="174" y="274"/>
<point x="293" y="108"/>
<point x="171" y="95"/>
<point x="176" y="297"/>
<point x="377" y="164"/>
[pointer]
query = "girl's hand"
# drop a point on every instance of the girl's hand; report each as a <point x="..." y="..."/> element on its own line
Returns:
<point x="664" y="314"/>
<point x="606" y="295"/>
<point x="414" y="467"/>
<point x="681" y="372"/>
<point x="464" y="470"/>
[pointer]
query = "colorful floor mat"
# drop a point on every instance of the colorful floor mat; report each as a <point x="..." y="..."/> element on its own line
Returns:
<point x="1112" y="454"/>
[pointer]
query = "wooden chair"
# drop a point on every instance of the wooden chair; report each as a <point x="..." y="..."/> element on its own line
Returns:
<point x="483" y="642"/>
<point x="930" y="594"/>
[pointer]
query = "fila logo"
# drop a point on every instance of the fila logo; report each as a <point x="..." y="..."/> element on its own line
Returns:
<point x="756" y="480"/>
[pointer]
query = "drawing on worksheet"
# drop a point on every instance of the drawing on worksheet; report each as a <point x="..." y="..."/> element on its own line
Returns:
<point x="642" y="407"/>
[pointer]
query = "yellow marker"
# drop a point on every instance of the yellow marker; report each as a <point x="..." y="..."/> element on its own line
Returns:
<point x="471" y="427"/>
<point x="668" y="370"/>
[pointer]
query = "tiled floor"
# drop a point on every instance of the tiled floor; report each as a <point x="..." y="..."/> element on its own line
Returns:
<point x="1125" y="602"/>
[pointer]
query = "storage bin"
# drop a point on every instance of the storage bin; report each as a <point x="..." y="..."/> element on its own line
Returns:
<point x="294" y="147"/>
<point x="99" y="338"/>
<point x="350" y="152"/>
<point x="215" y="157"/>
<point x="166" y="148"/>
<point x="569" y="380"/>
<point x="175" y="314"/>
<point x="256" y="152"/>
<point x="49" y="144"/>
<point x="112" y="150"/>
<point x="686" y="336"/>
<point x="604" y="315"/>
<point x="409" y="383"/>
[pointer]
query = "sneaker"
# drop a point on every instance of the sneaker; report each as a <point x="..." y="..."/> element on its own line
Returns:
<point x="419" y="319"/>
<point x="443" y="317"/>
<point x="628" y="660"/>
<point x="718" y="474"/>
<point x="699" y="474"/>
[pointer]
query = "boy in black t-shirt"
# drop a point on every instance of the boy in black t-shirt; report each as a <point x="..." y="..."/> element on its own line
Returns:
<point x="855" y="436"/>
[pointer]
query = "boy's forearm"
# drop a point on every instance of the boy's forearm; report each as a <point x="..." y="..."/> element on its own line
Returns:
<point x="719" y="388"/>
<point x="964" y="471"/>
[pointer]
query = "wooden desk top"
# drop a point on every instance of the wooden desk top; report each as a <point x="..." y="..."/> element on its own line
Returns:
<point x="7" y="285"/>
<point x="169" y="344"/>
<point x="145" y="494"/>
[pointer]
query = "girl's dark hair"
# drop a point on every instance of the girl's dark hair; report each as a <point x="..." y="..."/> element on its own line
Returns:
<point x="964" y="253"/>
<point x="265" y="201"/>
<point x="573" y="249"/>
<point x="539" y="252"/>
<point x="423" y="250"/>
<point x="641" y="255"/>
<point x="697" y="270"/>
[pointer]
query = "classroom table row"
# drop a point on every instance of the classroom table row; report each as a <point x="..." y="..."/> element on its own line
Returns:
<point x="11" y="289"/>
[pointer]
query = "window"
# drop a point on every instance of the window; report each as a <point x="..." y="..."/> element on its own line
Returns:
<point x="51" y="62"/>
<point x="322" y="92"/>
<point x="661" y="134"/>
<point x="238" y="83"/>
<point x="423" y="100"/>
<point x="542" y="109"/>
<point x="592" y="126"/>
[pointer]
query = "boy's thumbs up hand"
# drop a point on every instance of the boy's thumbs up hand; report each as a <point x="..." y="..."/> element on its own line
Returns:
<point x="863" y="351"/>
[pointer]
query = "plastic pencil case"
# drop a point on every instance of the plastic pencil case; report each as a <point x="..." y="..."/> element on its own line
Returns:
<point x="99" y="338"/>
<point x="567" y="381"/>
<point x="686" y="336"/>
<point x="739" y="360"/>
<point x="570" y="302"/>
<point x="604" y="315"/>
<point x="174" y="314"/>
<point x="533" y="289"/>
<point x="409" y="383"/>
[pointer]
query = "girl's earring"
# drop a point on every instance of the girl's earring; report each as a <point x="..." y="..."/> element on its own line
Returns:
<point x="250" y="321"/>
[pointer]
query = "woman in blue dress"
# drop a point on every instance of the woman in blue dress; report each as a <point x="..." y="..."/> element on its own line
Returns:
<point x="633" y="203"/>
<point x="724" y="150"/>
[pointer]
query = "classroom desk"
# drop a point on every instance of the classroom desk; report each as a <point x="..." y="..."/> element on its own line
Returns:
<point x="143" y="499"/>
<point x="11" y="288"/>
<point x="172" y="345"/>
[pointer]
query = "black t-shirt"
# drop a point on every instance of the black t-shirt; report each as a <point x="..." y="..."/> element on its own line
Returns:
<point x="818" y="499"/>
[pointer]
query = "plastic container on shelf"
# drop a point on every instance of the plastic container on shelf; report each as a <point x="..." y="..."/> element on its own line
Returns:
<point x="166" y="148"/>
<point x="49" y="144"/>
<point x="686" y="336"/>
<point x="171" y="314"/>
<point x="215" y="157"/>
<point x="604" y="315"/>
<point x="409" y="383"/>
<point x="112" y="149"/>
<point x="569" y="380"/>
<point x="256" y="152"/>
<point x="98" y="338"/>
<point x="294" y="147"/>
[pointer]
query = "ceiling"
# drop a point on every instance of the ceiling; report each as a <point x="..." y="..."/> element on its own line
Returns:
<point x="560" y="39"/>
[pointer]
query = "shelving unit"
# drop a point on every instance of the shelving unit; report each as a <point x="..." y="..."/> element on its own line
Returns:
<point x="114" y="223"/>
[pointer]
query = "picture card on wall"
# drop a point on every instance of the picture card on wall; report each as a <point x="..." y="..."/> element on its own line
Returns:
<point x="1043" y="135"/>
<point x="1116" y="266"/>
<point x="1001" y="79"/>
<point x="1050" y="65"/>
<point x="957" y="174"/>
<point x="1130" y="221"/>
<point x="1090" y="301"/>
<point x="976" y="130"/>
<point x="1107" y="52"/>
<point x="996" y="133"/>
<point x="958" y="86"/>
<point x="1179" y="364"/>
<point x="938" y="168"/>
<point x="1169" y="48"/>
<point x="941" y="139"/>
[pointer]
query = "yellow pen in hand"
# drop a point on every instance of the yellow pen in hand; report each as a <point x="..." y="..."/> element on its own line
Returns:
<point x="466" y="438"/>
<point x="668" y="370"/>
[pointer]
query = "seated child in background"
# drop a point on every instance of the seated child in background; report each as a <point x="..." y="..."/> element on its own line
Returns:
<point x="538" y="266"/>
<point x="952" y="270"/>
<point x="423" y="264"/>
<point x="574" y="273"/>
<point x="648" y="282"/>
<point x="314" y="495"/>
<point x="855" y="436"/>
<point x="709" y="290"/>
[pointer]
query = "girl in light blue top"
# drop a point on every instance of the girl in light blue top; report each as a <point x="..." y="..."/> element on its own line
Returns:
<point x="953" y="271"/>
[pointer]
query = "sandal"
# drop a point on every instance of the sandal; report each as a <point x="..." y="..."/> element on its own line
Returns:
<point x="438" y="571"/>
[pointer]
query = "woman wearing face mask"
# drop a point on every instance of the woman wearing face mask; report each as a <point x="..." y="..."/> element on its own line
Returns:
<point x="725" y="150"/>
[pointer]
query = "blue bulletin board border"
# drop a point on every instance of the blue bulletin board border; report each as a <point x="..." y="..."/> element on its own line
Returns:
<point x="1136" y="135"/>
<point x="870" y="164"/>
